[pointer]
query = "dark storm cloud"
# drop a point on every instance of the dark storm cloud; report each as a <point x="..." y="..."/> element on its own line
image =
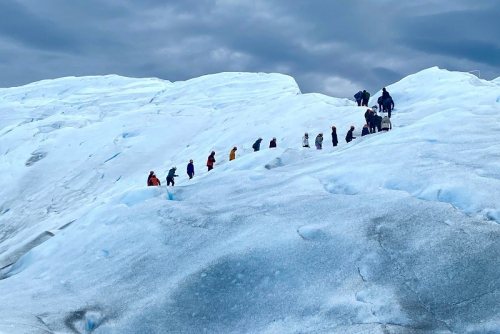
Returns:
<point x="334" y="47"/>
<point x="18" y="24"/>
<point x="470" y="35"/>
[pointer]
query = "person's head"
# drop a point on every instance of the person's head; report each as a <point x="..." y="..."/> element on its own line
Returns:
<point x="213" y="152"/>
<point x="333" y="127"/>
<point x="191" y="160"/>
<point x="365" y="126"/>
<point x="151" y="173"/>
<point x="235" y="148"/>
<point x="321" y="133"/>
<point x="174" y="168"/>
<point x="306" y="134"/>
<point x="274" y="138"/>
<point x="368" y="110"/>
<point x="352" y="127"/>
<point x="364" y="90"/>
<point x="384" y="90"/>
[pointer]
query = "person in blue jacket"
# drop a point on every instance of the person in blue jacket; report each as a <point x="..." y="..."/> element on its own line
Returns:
<point x="171" y="175"/>
<point x="256" y="145"/>
<point x="358" y="96"/>
<point x="365" y="131"/>
<point x="190" y="169"/>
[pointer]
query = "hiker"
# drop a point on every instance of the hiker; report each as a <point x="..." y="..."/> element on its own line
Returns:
<point x="305" y="140"/>
<point x="335" y="140"/>
<point x="319" y="141"/>
<point x="256" y="145"/>
<point x="272" y="143"/>
<point x="232" y="154"/>
<point x="349" y="137"/>
<point x="380" y="102"/>
<point x="388" y="105"/>
<point x="211" y="161"/>
<point x="153" y="180"/>
<point x="386" y="124"/>
<point x="365" y="130"/>
<point x="171" y="175"/>
<point x="358" y="96"/>
<point x="365" y="98"/>
<point x="385" y="94"/>
<point x="370" y="120"/>
<point x="367" y="115"/>
<point x="372" y="124"/>
<point x="378" y="122"/>
<point x="190" y="169"/>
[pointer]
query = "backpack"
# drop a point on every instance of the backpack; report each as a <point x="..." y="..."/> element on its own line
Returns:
<point x="357" y="96"/>
<point x="386" y="123"/>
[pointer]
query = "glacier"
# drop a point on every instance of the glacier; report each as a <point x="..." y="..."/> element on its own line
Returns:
<point x="394" y="232"/>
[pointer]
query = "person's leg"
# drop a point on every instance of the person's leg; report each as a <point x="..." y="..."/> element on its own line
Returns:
<point x="210" y="168"/>
<point x="390" y="112"/>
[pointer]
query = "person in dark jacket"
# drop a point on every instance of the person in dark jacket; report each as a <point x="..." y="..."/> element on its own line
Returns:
<point x="371" y="121"/>
<point x="190" y="169"/>
<point x="385" y="94"/>
<point x="367" y="115"/>
<point x="365" y="130"/>
<point x="365" y="99"/>
<point x="349" y="137"/>
<point x="358" y="96"/>
<point x="272" y="143"/>
<point x="211" y="161"/>
<point x="153" y="180"/>
<point x="335" y="139"/>
<point x="388" y="105"/>
<point x="380" y="102"/>
<point x="378" y="122"/>
<point x="256" y="145"/>
<point x="319" y="141"/>
<point x="171" y="175"/>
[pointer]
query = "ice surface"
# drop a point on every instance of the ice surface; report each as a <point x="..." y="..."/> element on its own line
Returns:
<point x="393" y="233"/>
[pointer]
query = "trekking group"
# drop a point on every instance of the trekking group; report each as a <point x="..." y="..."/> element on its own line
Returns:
<point x="373" y="123"/>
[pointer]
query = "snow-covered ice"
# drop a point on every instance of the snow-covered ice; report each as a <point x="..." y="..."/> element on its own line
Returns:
<point x="394" y="232"/>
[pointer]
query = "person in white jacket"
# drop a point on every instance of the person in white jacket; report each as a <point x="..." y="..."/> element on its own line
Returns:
<point x="305" y="140"/>
<point x="386" y="124"/>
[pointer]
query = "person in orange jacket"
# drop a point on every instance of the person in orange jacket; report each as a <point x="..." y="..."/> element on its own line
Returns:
<point x="211" y="161"/>
<point x="153" y="180"/>
<point x="232" y="154"/>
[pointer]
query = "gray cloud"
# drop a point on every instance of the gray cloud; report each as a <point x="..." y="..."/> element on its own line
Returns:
<point x="332" y="47"/>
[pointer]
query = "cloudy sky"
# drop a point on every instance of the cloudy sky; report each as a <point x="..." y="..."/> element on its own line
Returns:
<point x="336" y="47"/>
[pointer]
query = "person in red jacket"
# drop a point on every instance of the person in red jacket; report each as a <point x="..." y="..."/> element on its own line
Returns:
<point x="211" y="161"/>
<point x="153" y="180"/>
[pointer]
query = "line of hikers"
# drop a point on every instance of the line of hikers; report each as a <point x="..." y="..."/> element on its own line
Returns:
<point x="373" y="123"/>
<point x="385" y="125"/>
<point x="385" y="101"/>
